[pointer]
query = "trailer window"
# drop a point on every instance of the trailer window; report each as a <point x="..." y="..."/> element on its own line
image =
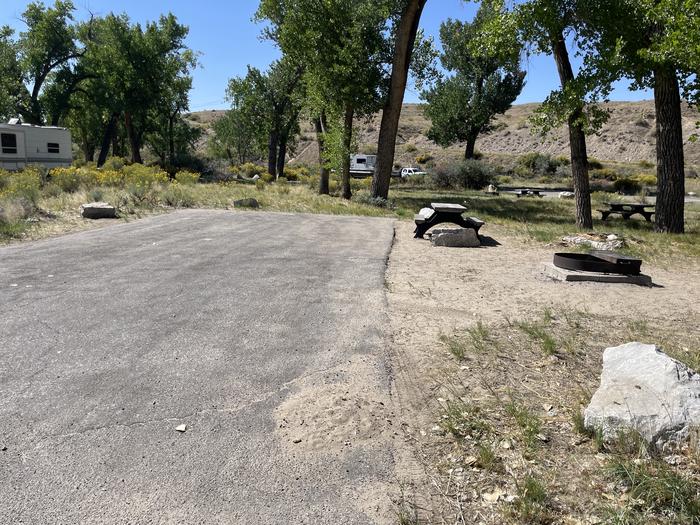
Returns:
<point x="9" y="143"/>
<point x="361" y="161"/>
<point x="53" y="147"/>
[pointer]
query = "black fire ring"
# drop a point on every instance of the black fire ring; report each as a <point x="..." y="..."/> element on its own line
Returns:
<point x="599" y="262"/>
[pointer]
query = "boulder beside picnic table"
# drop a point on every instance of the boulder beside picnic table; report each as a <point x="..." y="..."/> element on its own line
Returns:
<point x="442" y="212"/>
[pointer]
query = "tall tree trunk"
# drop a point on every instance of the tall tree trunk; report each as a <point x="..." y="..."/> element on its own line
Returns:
<point x="107" y="139"/>
<point x="320" y="125"/>
<point x="116" y="147"/>
<point x="405" y="40"/>
<point x="88" y="151"/>
<point x="282" y="155"/>
<point x="171" y="139"/>
<point x="670" y="163"/>
<point x="272" y="153"/>
<point x="134" y="142"/>
<point x="347" y="144"/>
<point x="471" y="144"/>
<point x="577" y="140"/>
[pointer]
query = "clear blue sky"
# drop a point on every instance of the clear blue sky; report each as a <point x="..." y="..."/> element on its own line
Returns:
<point x="228" y="40"/>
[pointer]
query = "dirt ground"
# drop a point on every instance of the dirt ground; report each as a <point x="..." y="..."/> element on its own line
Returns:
<point x="437" y="295"/>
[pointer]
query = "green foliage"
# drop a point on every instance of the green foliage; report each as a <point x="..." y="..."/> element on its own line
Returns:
<point x="539" y="334"/>
<point x="627" y="185"/>
<point x="484" y="82"/>
<point x="364" y="197"/>
<point x="604" y="174"/>
<point x="462" y="419"/>
<point x="424" y="158"/>
<point x="249" y="170"/>
<point x="467" y="174"/>
<point x="531" y="504"/>
<point x="23" y="185"/>
<point x="187" y="177"/>
<point x="530" y="425"/>
<point x="539" y="163"/>
<point x="660" y="488"/>
<point x="177" y="196"/>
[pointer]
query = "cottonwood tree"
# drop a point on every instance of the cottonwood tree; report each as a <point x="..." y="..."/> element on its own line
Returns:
<point x="405" y="32"/>
<point x="38" y="69"/>
<point x="138" y="72"/>
<point x="656" y="43"/>
<point x="271" y="102"/>
<point x="483" y="83"/>
<point x="544" y="26"/>
<point x="343" y="46"/>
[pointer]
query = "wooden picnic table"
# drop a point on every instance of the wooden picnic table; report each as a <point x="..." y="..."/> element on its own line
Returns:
<point x="441" y="212"/>
<point x="627" y="209"/>
<point x="528" y="193"/>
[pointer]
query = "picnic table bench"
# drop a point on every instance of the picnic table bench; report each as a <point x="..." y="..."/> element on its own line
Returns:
<point x="627" y="209"/>
<point x="528" y="193"/>
<point x="441" y="212"/>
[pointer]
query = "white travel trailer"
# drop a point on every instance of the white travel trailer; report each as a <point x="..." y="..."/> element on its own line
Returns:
<point x="362" y="165"/>
<point x="24" y="144"/>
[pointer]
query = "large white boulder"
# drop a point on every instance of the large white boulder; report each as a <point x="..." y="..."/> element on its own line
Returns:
<point x="643" y="389"/>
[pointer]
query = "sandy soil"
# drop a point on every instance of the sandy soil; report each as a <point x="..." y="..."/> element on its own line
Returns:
<point x="442" y="291"/>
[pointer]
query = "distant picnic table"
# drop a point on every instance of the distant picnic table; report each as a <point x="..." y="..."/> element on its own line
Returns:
<point x="626" y="210"/>
<point x="441" y="212"/>
<point x="528" y="193"/>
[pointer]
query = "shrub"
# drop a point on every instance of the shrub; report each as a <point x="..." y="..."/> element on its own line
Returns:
<point x="268" y="177"/>
<point x="423" y="158"/>
<point x="295" y="173"/>
<point x="250" y="169"/>
<point x="604" y="174"/>
<point x="364" y="197"/>
<point x="68" y="179"/>
<point x="187" y="177"/>
<point x="594" y="164"/>
<point x="114" y="163"/>
<point x="538" y="163"/>
<point x="627" y="185"/>
<point x="645" y="179"/>
<point x="260" y="184"/>
<point x="145" y="176"/>
<point x="177" y="196"/>
<point x="22" y="185"/>
<point x="410" y="148"/>
<point x="467" y="174"/>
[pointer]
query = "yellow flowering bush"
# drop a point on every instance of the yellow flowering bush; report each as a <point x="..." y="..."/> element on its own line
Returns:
<point x="187" y="177"/>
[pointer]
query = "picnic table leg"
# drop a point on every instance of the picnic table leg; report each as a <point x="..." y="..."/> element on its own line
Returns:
<point x="605" y="215"/>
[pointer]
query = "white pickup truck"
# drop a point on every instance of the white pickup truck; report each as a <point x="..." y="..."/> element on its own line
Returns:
<point x="412" y="172"/>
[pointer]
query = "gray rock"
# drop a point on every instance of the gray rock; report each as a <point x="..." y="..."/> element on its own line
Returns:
<point x="566" y="195"/>
<point x="246" y="203"/>
<point x="98" y="210"/>
<point x="605" y="245"/>
<point x="643" y="389"/>
<point x="455" y="237"/>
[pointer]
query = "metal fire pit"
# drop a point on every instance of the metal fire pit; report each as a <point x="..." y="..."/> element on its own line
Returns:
<point x="599" y="262"/>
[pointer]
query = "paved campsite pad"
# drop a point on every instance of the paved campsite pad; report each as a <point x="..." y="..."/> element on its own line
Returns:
<point x="233" y="324"/>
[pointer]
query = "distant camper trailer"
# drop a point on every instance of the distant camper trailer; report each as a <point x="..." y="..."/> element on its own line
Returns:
<point x="362" y="165"/>
<point x="24" y="144"/>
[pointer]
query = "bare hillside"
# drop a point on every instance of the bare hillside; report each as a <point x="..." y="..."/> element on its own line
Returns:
<point x="628" y="136"/>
